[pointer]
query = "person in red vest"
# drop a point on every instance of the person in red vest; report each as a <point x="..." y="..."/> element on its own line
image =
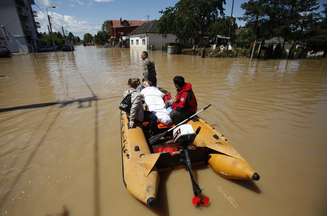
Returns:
<point x="185" y="103"/>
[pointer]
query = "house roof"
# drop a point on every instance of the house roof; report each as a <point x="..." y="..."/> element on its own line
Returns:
<point x="118" y="23"/>
<point x="148" y="27"/>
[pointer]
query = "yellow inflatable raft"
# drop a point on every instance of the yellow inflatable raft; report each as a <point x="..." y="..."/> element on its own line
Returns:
<point x="141" y="163"/>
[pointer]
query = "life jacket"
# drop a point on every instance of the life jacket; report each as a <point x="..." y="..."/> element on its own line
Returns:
<point x="185" y="100"/>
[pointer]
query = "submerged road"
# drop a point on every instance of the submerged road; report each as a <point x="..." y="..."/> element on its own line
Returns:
<point x="65" y="160"/>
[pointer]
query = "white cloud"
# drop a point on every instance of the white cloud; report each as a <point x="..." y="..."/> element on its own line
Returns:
<point x="73" y="3"/>
<point x="102" y="1"/>
<point x="45" y="3"/>
<point x="70" y="23"/>
<point x="79" y="2"/>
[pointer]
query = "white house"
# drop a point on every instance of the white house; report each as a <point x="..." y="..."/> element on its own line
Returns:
<point x="147" y="37"/>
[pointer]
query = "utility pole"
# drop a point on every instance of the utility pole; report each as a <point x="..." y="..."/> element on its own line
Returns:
<point x="50" y="26"/>
<point x="63" y="31"/>
<point x="230" y="20"/>
<point x="49" y="19"/>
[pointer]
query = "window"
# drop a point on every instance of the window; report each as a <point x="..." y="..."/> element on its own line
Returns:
<point x="143" y="41"/>
<point x="131" y="42"/>
<point x="137" y="41"/>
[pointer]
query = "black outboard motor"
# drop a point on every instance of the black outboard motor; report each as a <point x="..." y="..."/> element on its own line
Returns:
<point x="185" y="135"/>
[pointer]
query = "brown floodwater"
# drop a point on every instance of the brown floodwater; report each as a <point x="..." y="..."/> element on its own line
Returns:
<point x="67" y="160"/>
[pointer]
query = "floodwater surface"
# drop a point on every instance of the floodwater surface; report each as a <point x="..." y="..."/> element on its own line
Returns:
<point x="67" y="160"/>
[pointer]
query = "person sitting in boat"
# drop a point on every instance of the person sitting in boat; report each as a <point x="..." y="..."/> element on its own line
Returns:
<point x="132" y="103"/>
<point x="156" y="107"/>
<point x="185" y="103"/>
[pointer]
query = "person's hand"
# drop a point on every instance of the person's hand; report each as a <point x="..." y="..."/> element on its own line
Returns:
<point x="168" y="103"/>
<point x="132" y="124"/>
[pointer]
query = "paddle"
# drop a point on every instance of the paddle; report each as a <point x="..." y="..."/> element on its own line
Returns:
<point x="199" y="199"/>
<point x="154" y="139"/>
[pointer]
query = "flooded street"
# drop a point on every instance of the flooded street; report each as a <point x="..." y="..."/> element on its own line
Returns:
<point x="68" y="159"/>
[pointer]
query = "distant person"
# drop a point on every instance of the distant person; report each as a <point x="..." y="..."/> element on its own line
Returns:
<point x="185" y="103"/>
<point x="149" y="71"/>
<point x="154" y="100"/>
<point x="132" y="103"/>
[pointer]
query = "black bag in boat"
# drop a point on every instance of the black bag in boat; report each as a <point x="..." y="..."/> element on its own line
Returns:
<point x="126" y="104"/>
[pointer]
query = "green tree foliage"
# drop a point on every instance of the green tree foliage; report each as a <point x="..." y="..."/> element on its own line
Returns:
<point x="316" y="35"/>
<point x="70" y="37"/>
<point x="53" y="39"/>
<point x="101" y="37"/>
<point x="77" y="40"/>
<point x="105" y="26"/>
<point x="289" y="19"/>
<point x="296" y="21"/>
<point x="225" y="26"/>
<point x="244" y="37"/>
<point x="87" y="38"/>
<point x="256" y="17"/>
<point x="190" y="19"/>
<point x="73" y="39"/>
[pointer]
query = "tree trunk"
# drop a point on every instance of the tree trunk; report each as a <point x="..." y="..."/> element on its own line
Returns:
<point x="259" y="49"/>
<point x="291" y="51"/>
<point x="283" y="48"/>
<point x="254" y="44"/>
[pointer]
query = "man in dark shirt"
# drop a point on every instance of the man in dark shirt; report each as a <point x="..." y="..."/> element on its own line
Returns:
<point x="149" y="71"/>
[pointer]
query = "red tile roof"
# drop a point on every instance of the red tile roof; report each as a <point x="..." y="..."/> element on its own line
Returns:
<point x="117" y="23"/>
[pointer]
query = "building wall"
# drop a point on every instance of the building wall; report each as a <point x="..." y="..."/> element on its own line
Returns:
<point x="17" y="21"/>
<point x="139" y="41"/>
<point x="151" y="41"/>
<point x="159" y="41"/>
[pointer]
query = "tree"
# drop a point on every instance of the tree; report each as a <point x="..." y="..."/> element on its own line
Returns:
<point x="87" y="38"/>
<point x="71" y="37"/>
<point x="316" y="34"/>
<point x="292" y="20"/>
<point x="77" y="40"/>
<point x="101" y="37"/>
<point x="105" y="26"/>
<point x="225" y="26"/>
<point x="256" y="17"/>
<point x="53" y="39"/>
<point x="244" y="37"/>
<point x="190" y="19"/>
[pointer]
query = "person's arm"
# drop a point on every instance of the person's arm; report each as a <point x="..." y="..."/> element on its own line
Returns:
<point x="136" y="99"/>
<point x="181" y="102"/>
<point x="145" y="70"/>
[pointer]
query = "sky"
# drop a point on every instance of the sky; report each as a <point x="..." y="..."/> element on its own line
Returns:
<point x="82" y="16"/>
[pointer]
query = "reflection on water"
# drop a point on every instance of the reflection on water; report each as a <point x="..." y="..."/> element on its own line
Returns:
<point x="273" y="111"/>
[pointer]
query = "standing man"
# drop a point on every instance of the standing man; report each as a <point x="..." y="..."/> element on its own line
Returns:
<point x="149" y="71"/>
